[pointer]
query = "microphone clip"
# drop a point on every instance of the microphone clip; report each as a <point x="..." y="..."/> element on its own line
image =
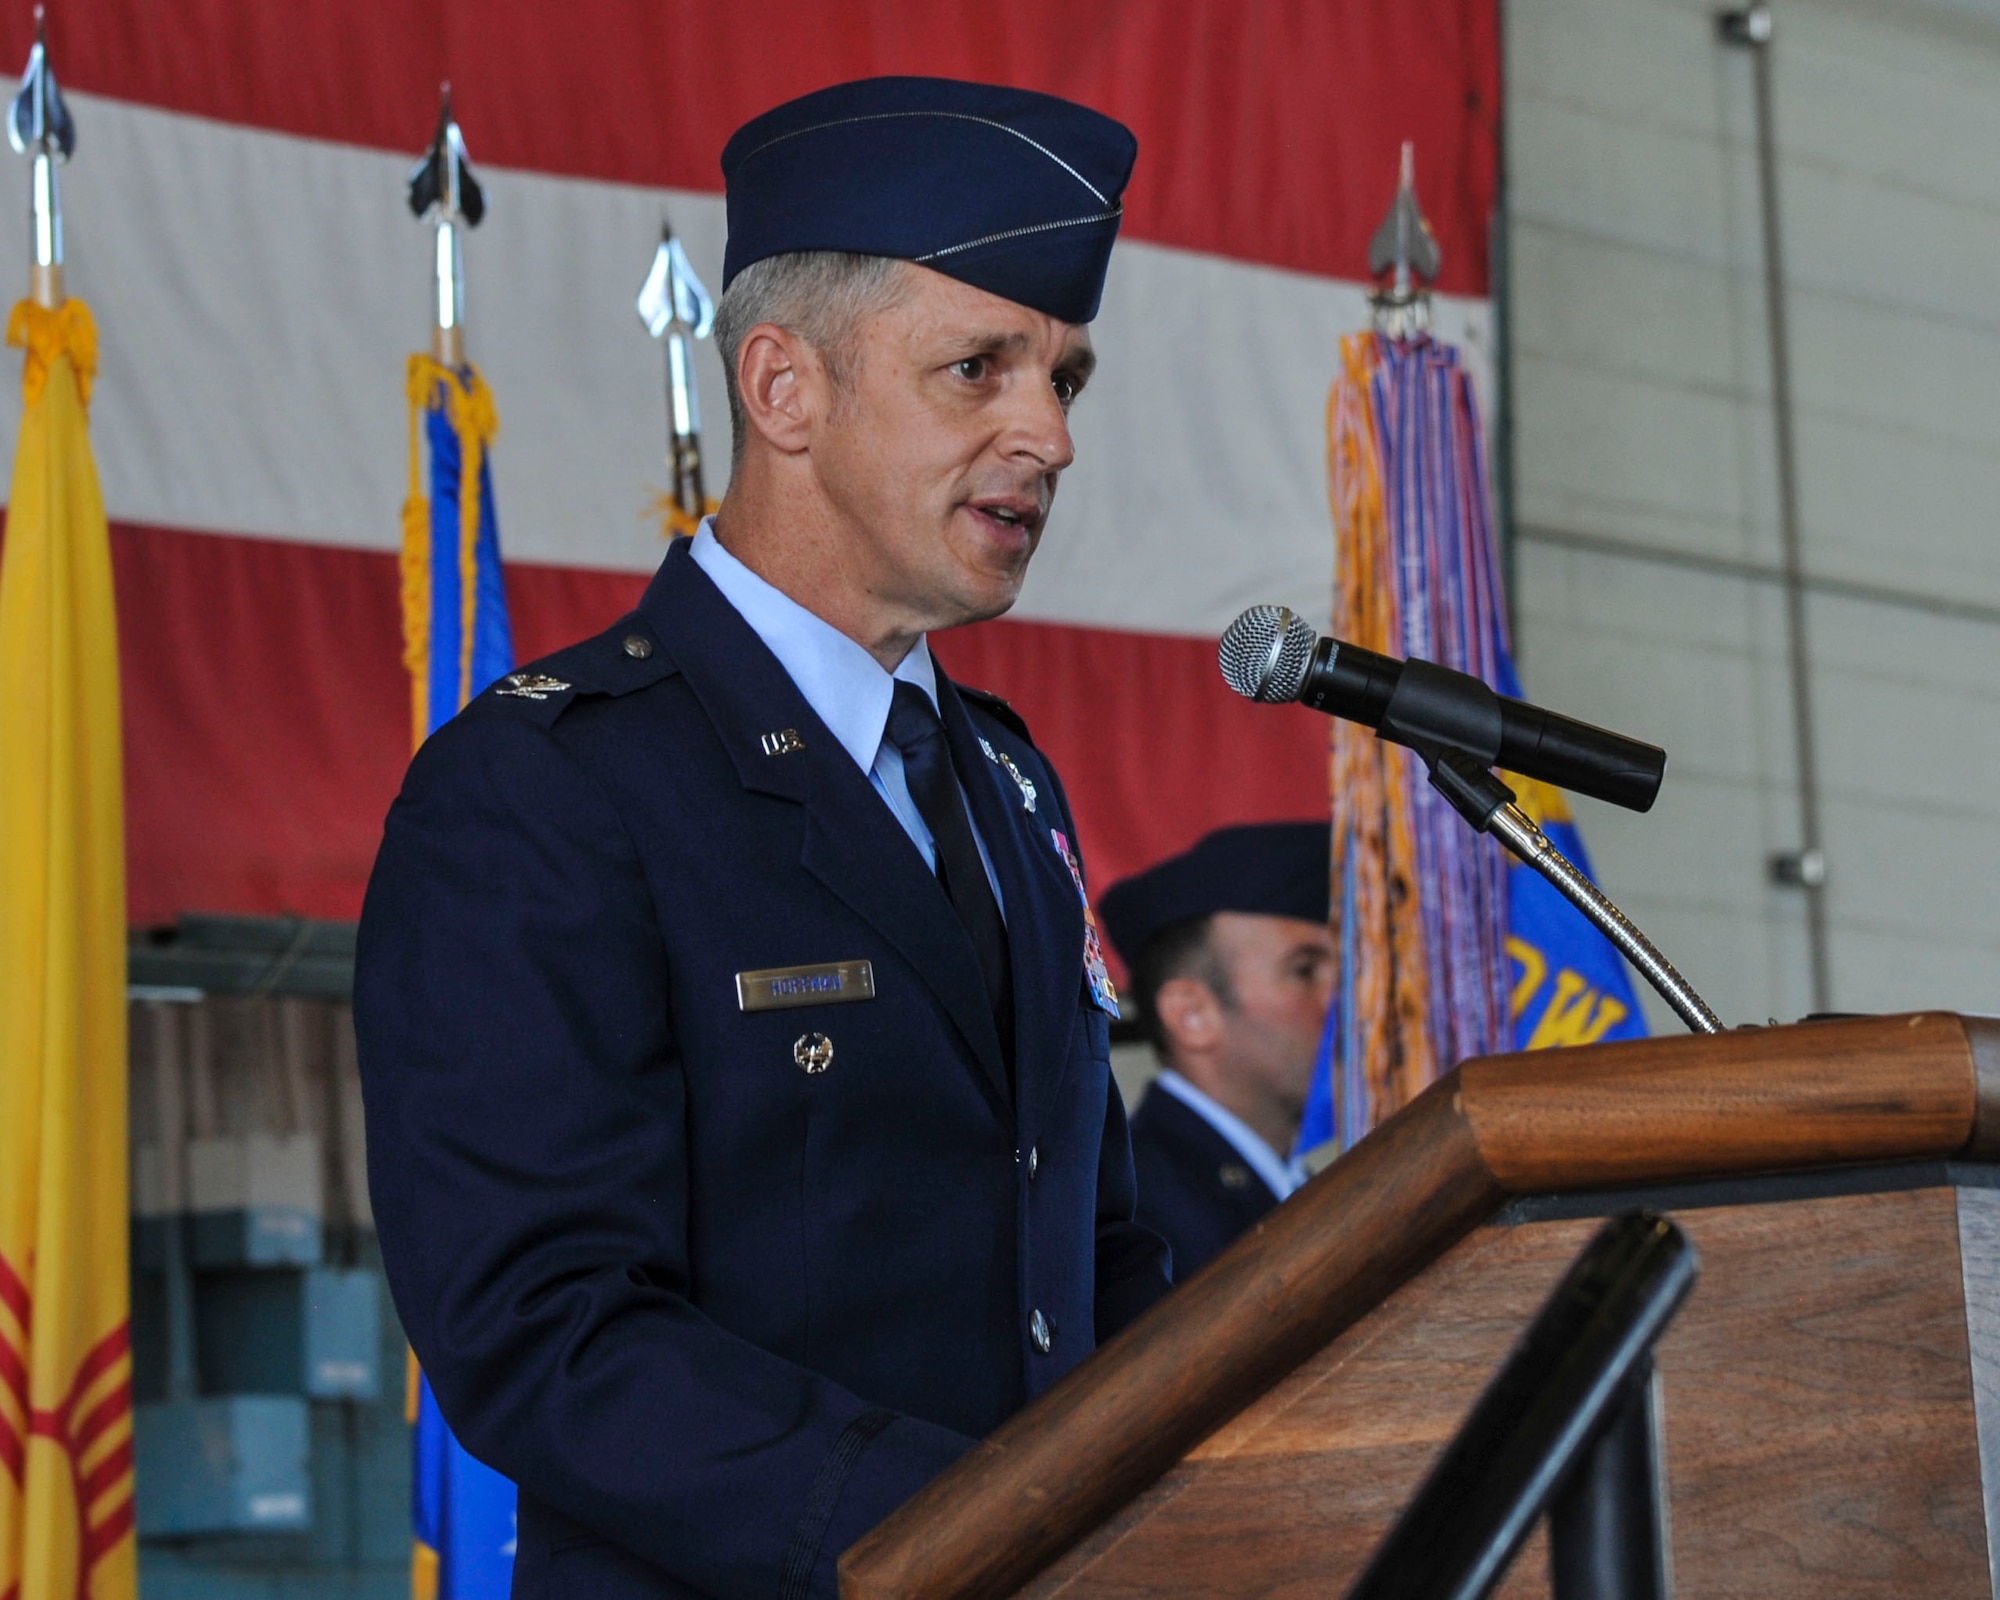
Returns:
<point x="1490" y="806"/>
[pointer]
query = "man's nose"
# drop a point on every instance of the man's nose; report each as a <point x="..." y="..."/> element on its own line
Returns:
<point x="1038" y="428"/>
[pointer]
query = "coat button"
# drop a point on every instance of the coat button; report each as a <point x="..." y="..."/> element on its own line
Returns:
<point x="638" y="646"/>
<point x="1034" y="1160"/>
<point x="1038" y="1330"/>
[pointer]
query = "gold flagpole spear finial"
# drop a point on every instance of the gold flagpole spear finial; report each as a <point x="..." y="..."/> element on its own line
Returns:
<point x="444" y="191"/>
<point x="39" y="127"/>
<point x="677" y="310"/>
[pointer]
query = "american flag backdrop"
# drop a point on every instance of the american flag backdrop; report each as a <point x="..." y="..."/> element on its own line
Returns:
<point x="236" y="221"/>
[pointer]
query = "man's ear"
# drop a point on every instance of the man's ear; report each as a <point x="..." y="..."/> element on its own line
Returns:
<point x="1190" y="1015"/>
<point x="777" y="376"/>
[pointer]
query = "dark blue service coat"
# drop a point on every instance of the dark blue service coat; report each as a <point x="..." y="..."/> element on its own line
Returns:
<point x="1195" y="1190"/>
<point x="718" y="1315"/>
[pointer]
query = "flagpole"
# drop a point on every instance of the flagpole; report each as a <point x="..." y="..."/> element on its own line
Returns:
<point x="47" y="140"/>
<point x="677" y="311"/>
<point x="443" y="188"/>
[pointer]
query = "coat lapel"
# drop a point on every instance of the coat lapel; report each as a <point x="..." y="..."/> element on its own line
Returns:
<point x="852" y="843"/>
<point x="1044" y="911"/>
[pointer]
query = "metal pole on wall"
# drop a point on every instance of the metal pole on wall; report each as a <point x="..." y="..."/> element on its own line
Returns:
<point x="1805" y="868"/>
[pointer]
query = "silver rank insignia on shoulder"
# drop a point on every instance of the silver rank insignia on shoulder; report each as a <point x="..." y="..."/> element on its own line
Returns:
<point x="1006" y="764"/>
<point x="530" y="686"/>
<point x="782" y="743"/>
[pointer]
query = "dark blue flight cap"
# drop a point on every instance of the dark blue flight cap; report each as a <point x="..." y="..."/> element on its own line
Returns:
<point x="1272" y="869"/>
<point x="1010" y="191"/>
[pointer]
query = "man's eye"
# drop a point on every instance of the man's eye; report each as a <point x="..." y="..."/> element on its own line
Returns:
<point x="1067" y="388"/>
<point x="971" y="369"/>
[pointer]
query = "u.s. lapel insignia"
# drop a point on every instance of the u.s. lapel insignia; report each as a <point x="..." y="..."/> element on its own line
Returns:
<point x="1005" y="762"/>
<point x="530" y="686"/>
<point x="1102" y="990"/>
<point x="782" y="743"/>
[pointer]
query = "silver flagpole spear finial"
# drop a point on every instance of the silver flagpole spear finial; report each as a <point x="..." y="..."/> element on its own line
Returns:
<point x="38" y="126"/>
<point x="677" y="309"/>
<point x="444" y="190"/>
<point x="1404" y="252"/>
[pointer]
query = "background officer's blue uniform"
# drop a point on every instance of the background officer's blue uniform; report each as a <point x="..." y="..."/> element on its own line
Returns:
<point x="1202" y="1182"/>
<point x="717" y="1315"/>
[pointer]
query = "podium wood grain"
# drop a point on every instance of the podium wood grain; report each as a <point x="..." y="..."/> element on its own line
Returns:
<point x="1820" y="1435"/>
<point x="1329" y="1304"/>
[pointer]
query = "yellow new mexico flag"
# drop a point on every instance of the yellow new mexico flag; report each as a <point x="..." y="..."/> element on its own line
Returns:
<point x="66" y="1510"/>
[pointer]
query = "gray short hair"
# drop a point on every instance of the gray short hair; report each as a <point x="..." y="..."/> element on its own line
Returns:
<point x="820" y="295"/>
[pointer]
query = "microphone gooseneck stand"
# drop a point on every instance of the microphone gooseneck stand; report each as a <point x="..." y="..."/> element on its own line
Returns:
<point x="1489" y="805"/>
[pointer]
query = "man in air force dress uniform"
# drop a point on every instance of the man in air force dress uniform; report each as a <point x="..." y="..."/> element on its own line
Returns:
<point x="733" y="1026"/>
<point x="1233" y="969"/>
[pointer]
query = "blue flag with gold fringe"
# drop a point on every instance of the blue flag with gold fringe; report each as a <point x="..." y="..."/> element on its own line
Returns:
<point x="456" y="641"/>
<point x="455" y="635"/>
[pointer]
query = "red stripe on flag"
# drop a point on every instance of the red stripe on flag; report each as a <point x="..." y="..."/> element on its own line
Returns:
<point x="1268" y="129"/>
<point x="103" y="1356"/>
<point x="14" y="1294"/>
<point x="13" y="1451"/>
<point x="266" y="719"/>
<point x="107" y="1472"/>
<point x="102" y="1415"/>
<point x="14" y="1374"/>
<point x="101" y="1538"/>
<point x="267" y="712"/>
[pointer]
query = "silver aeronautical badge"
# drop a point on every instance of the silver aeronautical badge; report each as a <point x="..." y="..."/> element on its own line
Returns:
<point x="1014" y="772"/>
<point x="1006" y="762"/>
<point x="531" y="686"/>
<point x="813" y="1052"/>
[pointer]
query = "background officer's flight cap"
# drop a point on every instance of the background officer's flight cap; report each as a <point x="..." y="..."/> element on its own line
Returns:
<point x="1273" y="869"/>
<point x="1012" y="192"/>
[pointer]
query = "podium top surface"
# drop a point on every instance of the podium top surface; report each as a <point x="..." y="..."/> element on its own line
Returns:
<point x="1843" y="1093"/>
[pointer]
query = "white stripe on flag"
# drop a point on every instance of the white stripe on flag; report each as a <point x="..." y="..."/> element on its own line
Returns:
<point x="257" y="294"/>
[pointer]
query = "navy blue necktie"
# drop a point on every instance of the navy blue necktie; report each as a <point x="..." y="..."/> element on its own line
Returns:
<point x="915" y="730"/>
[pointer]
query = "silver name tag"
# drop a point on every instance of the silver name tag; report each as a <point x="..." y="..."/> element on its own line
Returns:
<point x="780" y="988"/>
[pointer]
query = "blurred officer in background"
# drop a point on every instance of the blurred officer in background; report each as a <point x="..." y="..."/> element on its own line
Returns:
<point x="734" y="1031"/>
<point x="1232" y="971"/>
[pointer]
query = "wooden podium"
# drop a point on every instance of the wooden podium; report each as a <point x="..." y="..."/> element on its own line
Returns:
<point x="1832" y="1417"/>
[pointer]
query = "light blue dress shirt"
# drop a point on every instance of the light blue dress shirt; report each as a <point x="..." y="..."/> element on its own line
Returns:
<point x="1281" y="1177"/>
<point x="843" y="683"/>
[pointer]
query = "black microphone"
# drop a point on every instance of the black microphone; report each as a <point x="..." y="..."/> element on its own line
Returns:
<point x="1271" y="654"/>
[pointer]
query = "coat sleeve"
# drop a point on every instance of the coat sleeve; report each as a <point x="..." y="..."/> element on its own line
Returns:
<point x="1134" y="1265"/>
<point x="528" y="1152"/>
